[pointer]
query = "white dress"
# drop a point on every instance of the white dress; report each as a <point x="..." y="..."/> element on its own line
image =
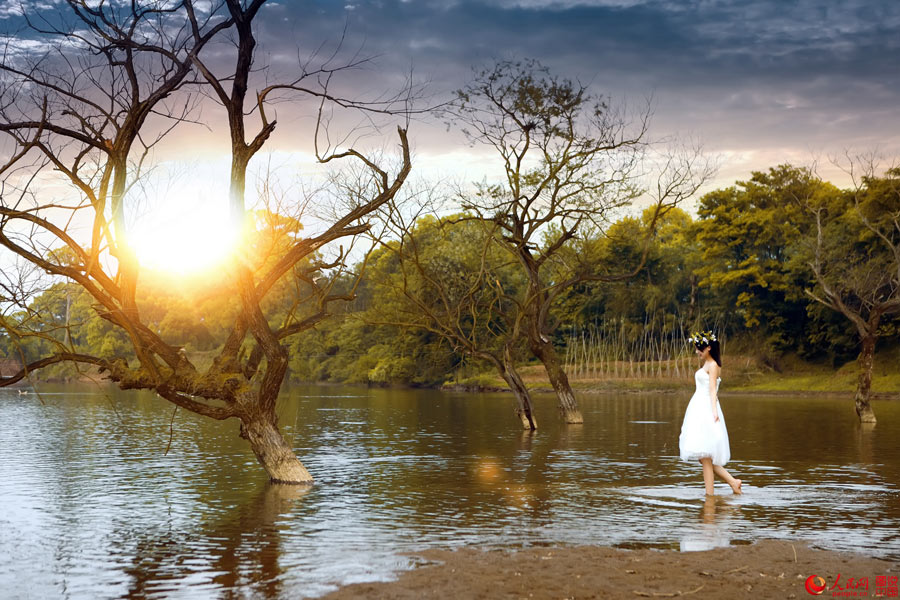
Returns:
<point x="700" y="435"/>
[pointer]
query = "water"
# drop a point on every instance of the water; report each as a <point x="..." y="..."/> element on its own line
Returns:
<point x="91" y="506"/>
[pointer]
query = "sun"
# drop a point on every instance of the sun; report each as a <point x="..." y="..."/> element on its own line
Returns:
<point x="184" y="244"/>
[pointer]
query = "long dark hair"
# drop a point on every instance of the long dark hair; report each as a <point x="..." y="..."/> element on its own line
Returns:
<point x="714" y="351"/>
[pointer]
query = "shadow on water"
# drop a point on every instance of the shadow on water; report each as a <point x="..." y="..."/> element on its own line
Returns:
<point x="97" y="509"/>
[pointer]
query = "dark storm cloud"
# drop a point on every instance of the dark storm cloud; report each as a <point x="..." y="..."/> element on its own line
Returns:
<point x="769" y="80"/>
<point x="682" y="43"/>
<point x="802" y="75"/>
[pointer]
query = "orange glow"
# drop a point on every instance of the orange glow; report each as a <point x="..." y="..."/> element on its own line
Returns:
<point x="489" y="471"/>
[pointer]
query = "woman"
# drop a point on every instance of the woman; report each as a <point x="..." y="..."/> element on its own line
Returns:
<point x="703" y="433"/>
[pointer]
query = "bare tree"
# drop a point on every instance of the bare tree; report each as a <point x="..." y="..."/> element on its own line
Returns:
<point x="113" y="79"/>
<point x="854" y="255"/>
<point x="570" y="161"/>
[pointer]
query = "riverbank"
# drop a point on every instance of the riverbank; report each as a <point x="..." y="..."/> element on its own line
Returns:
<point x="766" y="569"/>
<point x="741" y="374"/>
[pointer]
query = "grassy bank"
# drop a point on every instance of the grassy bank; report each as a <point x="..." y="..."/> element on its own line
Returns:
<point x="789" y="375"/>
<point x="741" y="373"/>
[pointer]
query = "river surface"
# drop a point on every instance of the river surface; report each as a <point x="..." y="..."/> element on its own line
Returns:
<point x="93" y="506"/>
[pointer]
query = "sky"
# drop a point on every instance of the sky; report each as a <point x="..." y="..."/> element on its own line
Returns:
<point x="756" y="83"/>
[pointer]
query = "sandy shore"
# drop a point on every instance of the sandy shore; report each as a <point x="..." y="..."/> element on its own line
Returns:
<point x="766" y="569"/>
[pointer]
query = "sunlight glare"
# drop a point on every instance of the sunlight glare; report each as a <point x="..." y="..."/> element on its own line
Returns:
<point x="185" y="244"/>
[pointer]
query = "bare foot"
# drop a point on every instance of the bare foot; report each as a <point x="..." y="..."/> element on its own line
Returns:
<point x="736" y="487"/>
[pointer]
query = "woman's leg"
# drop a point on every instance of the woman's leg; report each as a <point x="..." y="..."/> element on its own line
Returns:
<point x="708" y="477"/>
<point x="724" y="474"/>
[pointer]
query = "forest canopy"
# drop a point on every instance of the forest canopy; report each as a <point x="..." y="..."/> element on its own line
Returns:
<point x="741" y="264"/>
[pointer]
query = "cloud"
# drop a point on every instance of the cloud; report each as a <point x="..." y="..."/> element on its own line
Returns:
<point x="566" y="4"/>
<point x="18" y="8"/>
<point x="806" y="76"/>
<point x="748" y="78"/>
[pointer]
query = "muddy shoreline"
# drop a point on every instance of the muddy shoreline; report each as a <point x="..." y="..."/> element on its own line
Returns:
<point x="765" y="569"/>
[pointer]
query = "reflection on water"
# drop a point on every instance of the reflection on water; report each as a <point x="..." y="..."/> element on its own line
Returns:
<point x="91" y="506"/>
<point x="712" y="529"/>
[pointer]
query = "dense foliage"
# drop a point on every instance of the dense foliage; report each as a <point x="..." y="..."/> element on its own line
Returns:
<point x="743" y="265"/>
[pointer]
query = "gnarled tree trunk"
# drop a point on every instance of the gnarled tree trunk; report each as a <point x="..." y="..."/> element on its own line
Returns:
<point x="536" y="316"/>
<point x="568" y="406"/>
<point x="524" y="408"/>
<point x="272" y="450"/>
<point x="866" y="362"/>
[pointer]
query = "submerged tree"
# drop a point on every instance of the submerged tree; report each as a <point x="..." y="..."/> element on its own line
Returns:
<point x="571" y="160"/>
<point x="448" y="277"/>
<point x="853" y="250"/>
<point x="108" y="82"/>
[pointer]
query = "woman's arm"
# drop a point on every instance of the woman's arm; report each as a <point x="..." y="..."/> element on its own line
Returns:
<point x="714" y="390"/>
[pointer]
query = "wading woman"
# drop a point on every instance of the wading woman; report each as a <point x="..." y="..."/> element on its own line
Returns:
<point x="703" y="434"/>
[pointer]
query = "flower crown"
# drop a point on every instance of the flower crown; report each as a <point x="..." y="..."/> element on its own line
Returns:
<point x="702" y="338"/>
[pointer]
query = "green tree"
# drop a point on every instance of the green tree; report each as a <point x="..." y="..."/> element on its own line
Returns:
<point x="638" y="314"/>
<point x="663" y="286"/>
<point x="746" y="234"/>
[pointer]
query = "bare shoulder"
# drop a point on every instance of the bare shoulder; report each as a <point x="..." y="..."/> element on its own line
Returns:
<point x="713" y="369"/>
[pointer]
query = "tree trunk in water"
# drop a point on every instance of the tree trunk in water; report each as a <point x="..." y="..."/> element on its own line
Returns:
<point x="273" y="452"/>
<point x="568" y="406"/>
<point x="524" y="409"/>
<point x="866" y="361"/>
